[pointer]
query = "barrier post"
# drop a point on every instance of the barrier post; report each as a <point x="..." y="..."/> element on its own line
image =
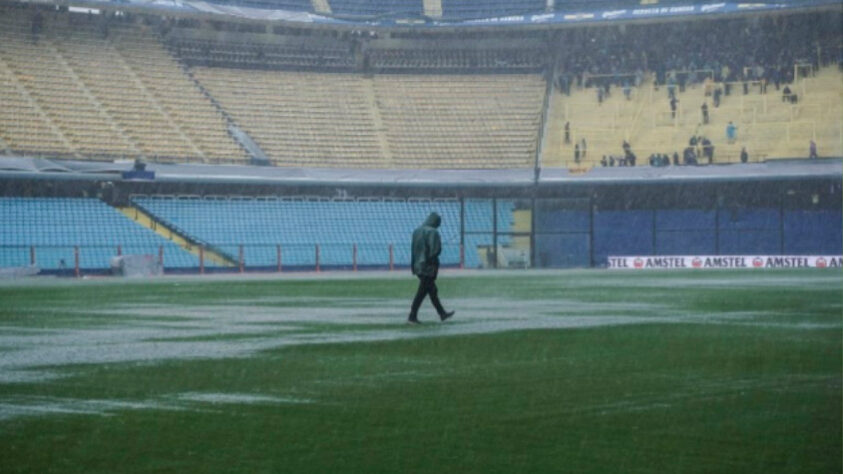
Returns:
<point x="32" y="255"/>
<point x="278" y="255"/>
<point x="354" y="257"/>
<point x="391" y="259"/>
<point x="76" y="261"/>
<point x="201" y="259"/>
<point x="317" y="258"/>
<point x="240" y="258"/>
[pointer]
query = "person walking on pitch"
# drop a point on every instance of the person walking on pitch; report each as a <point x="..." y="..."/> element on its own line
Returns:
<point x="426" y="247"/>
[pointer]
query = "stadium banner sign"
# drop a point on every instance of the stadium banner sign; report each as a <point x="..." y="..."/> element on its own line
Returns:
<point x="232" y="9"/>
<point x="667" y="262"/>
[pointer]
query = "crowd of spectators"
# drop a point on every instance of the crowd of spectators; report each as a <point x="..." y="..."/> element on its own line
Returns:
<point x="743" y="49"/>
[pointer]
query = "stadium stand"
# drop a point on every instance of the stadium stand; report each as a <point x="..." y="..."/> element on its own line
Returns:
<point x="295" y="5"/>
<point x="122" y="96"/>
<point x="312" y="54"/>
<point x="95" y="97"/>
<point x="299" y="118"/>
<point x="592" y="76"/>
<point x="478" y="121"/>
<point x="176" y="93"/>
<point x="462" y="9"/>
<point x="459" y="60"/>
<point x="91" y="87"/>
<point x="388" y="8"/>
<point x="48" y="79"/>
<point x="262" y="224"/>
<point x="54" y="226"/>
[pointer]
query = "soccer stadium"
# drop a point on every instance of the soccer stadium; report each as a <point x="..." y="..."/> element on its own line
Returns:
<point x="211" y="214"/>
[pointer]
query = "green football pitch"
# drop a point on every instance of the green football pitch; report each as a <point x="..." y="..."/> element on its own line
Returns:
<point x="566" y="371"/>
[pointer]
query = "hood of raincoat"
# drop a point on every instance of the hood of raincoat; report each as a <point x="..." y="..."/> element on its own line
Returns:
<point x="433" y="220"/>
<point x="426" y="247"/>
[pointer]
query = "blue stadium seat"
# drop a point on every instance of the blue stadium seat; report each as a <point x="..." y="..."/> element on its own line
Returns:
<point x="54" y="226"/>
<point x="260" y="225"/>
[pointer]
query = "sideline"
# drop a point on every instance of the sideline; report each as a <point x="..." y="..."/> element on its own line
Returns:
<point x="330" y="275"/>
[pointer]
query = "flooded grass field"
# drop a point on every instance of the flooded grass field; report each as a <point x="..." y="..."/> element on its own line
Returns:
<point x="569" y="371"/>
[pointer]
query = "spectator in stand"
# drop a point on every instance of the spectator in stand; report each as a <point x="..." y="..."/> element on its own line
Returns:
<point x="812" y="150"/>
<point x="37" y="25"/>
<point x="567" y="133"/>
<point x="627" y="90"/>
<point x="673" y="102"/>
<point x="744" y="155"/>
<point x="708" y="150"/>
<point x="577" y="153"/>
<point x="731" y="132"/>
<point x="675" y="158"/>
<point x="704" y="109"/>
<point x="786" y="94"/>
<point x="690" y="156"/>
<point x="671" y="87"/>
<point x="583" y="148"/>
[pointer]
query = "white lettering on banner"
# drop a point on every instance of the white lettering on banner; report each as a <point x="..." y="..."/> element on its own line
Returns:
<point x="542" y="18"/>
<point x="613" y="14"/>
<point x="580" y="16"/>
<point x="503" y="19"/>
<point x="725" y="261"/>
<point x="712" y="7"/>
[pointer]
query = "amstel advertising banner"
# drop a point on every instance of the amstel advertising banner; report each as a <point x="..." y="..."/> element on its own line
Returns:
<point x="725" y="261"/>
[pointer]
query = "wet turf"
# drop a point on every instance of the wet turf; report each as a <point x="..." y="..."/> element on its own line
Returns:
<point x="587" y="371"/>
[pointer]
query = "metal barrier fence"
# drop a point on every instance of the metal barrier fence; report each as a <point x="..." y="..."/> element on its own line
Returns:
<point x="76" y="260"/>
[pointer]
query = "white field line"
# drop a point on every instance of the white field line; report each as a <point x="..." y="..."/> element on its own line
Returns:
<point x="227" y="331"/>
<point x="16" y="407"/>
<point x="153" y="333"/>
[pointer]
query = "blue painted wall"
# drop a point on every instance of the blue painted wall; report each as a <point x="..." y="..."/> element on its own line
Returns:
<point x="562" y="237"/>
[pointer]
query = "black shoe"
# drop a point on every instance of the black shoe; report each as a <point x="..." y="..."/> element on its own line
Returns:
<point x="414" y="322"/>
<point x="447" y="315"/>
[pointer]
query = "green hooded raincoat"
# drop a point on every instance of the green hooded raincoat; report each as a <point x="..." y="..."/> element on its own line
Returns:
<point x="427" y="246"/>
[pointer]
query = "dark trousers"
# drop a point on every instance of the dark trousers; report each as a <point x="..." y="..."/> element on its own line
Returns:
<point x="427" y="286"/>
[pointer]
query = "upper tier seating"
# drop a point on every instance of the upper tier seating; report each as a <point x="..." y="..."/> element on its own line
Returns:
<point x="304" y="55"/>
<point x="94" y="97"/>
<point x="300" y="119"/>
<point x="87" y="88"/>
<point x="69" y="109"/>
<point x="490" y="8"/>
<point x="453" y="59"/>
<point x="55" y="225"/>
<point x="412" y="8"/>
<point x="297" y="225"/>
<point x="778" y="51"/>
<point x="475" y="121"/>
<point x="294" y="5"/>
<point x="405" y="121"/>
